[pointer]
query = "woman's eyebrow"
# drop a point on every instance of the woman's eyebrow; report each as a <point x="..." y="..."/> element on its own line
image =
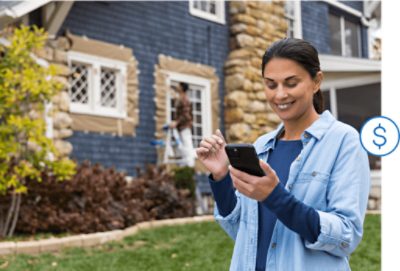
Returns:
<point x="287" y="78"/>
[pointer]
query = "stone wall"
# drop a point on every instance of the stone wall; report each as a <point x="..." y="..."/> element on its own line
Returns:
<point x="55" y="53"/>
<point x="254" y="26"/>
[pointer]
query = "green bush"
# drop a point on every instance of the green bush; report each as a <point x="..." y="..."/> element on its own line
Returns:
<point x="184" y="179"/>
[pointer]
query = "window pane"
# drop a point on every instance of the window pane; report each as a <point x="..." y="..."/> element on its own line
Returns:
<point x="197" y="118"/>
<point x="108" y="85"/>
<point x="204" y="5"/>
<point x="356" y="105"/>
<point x="335" y="35"/>
<point x="197" y="107"/>
<point x="352" y="40"/>
<point x="79" y="80"/>
<point x="213" y="7"/>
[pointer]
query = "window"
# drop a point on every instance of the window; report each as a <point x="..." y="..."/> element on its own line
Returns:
<point x="208" y="9"/>
<point x="293" y="18"/>
<point x="199" y="96"/>
<point x="97" y="85"/>
<point x="354" y="105"/>
<point x="345" y="37"/>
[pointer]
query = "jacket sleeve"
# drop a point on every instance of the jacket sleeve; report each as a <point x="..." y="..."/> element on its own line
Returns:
<point x="347" y="196"/>
<point x="230" y="222"/>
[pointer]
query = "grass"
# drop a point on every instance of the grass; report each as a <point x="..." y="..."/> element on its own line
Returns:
<point x="202" y="246"/>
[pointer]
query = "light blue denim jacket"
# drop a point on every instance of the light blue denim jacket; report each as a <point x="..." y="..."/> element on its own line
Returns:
<point x="330" y="174"/>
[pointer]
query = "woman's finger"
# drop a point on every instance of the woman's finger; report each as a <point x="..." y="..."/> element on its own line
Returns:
<point x="267" y="168"/>
<point x="219" y="133"/>
<point x="205" y="144"/>
<point x="245" y="177"/>
<point x="241" y="186"/>
<point x="218" y="139"/>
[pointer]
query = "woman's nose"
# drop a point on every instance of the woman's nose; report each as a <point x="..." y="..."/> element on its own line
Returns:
<point x="281" y="92"/>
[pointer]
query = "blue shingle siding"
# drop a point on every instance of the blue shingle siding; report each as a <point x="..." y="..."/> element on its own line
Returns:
<point x="315" y="24"/>
<point x="314" y="20"/>
<point x="357" y="5"/>
<point x="150" y="29"/>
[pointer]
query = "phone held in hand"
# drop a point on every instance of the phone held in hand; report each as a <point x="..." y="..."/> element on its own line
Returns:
<point x="244" y="158"/>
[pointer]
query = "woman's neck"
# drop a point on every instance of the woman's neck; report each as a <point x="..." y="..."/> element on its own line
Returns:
<point x="294" y="128"/>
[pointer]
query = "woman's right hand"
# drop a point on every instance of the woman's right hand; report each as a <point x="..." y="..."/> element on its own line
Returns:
<point x="211" y="153"/>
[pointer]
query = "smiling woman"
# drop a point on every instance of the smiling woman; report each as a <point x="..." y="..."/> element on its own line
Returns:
<point x="307" y="212"/>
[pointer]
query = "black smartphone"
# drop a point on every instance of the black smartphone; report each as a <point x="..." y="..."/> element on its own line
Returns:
<point x="244" y="158"/>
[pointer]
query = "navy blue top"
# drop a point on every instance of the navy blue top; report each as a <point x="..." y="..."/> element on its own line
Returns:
<point x="280" y="204"/>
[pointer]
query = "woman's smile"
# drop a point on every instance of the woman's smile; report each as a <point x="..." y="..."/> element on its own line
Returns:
<point x="285" y="106"/>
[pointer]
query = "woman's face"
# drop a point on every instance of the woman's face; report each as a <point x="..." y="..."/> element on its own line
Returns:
<point x="289" y="88"/>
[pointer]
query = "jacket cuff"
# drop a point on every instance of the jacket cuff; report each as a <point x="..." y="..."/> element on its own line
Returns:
<point x="329" y="237"/>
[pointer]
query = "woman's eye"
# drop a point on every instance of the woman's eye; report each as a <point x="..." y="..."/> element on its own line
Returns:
<point x="291" y="84"/>
<point x="271" y="85"/>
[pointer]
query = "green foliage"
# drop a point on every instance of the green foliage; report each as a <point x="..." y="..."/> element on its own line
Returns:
<point x="184" y="179"/>
<point x="200" y="246"/>
<point x="25" y="87"/>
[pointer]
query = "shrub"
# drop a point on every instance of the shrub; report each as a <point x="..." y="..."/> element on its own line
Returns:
<point x="184" y="178"/>
<point x="99" y="199"/>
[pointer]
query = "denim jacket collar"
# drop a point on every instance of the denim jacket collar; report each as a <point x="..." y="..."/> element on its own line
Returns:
<point x="317" y="130"/>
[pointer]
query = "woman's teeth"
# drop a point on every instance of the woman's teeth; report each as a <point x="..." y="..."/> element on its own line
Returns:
<point x="284" y="106"/>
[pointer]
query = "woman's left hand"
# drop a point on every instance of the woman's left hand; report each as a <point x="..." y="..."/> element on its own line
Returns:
<point x="258" y="188"/>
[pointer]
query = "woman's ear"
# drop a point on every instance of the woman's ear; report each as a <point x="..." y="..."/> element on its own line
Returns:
<point x="318" y="81"/>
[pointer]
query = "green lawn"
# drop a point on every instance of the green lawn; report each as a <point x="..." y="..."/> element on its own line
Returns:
<point x="202" y="246"/>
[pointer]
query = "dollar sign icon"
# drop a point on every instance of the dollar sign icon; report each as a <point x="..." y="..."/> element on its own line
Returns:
<point x="381" y="136"/>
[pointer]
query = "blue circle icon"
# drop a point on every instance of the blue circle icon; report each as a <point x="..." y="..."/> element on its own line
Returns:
<point x="379" y="136"/>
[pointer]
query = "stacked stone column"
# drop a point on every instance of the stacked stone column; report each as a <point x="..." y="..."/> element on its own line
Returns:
<point x="55" y="53"/>
<point x="254" y="26"/>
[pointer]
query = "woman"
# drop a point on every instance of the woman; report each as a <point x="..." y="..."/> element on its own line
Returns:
<point x="307" y="213"/>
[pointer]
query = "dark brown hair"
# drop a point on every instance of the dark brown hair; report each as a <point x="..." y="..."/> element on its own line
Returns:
<point x="301" y="52"/>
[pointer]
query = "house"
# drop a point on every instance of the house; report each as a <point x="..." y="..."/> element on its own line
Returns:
<point x="120" y="60"/>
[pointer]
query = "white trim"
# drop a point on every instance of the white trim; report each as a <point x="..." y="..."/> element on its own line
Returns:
<point x="206" y="97"/>
<point x="108" y="62"/>
<point x="344" y="7"/>
<point x="94" y="106"/>
<point x="298" y="30"/>
<point x="352" y="81"/>
<point x="218" y="18"/>
<point x="333" y="100"/>
<point x="330" y="63"/>
<point x="22" y="8"/>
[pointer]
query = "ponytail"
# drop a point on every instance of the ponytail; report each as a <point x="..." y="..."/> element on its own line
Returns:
<point x="318" y="102"/>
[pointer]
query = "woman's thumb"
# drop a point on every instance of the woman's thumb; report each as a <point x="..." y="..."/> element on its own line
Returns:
<point x="267" y="168"/>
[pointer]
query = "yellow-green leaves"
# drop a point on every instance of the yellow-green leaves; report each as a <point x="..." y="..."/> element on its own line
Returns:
<point x="25" y="86"/>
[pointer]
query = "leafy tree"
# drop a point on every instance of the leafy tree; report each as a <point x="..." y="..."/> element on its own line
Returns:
<point x="25" y="151"/>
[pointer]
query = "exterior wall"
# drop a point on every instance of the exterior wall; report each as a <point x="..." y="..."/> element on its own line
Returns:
<point x="150" y="29"/>
<point x="315" y="24"/>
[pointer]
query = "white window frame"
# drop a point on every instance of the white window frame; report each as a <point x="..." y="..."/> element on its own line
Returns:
<point x="94" y="106"/>
<point x="297" y="31"/>
<point x="205" y="99"/>
<point x="219" y="8"/>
